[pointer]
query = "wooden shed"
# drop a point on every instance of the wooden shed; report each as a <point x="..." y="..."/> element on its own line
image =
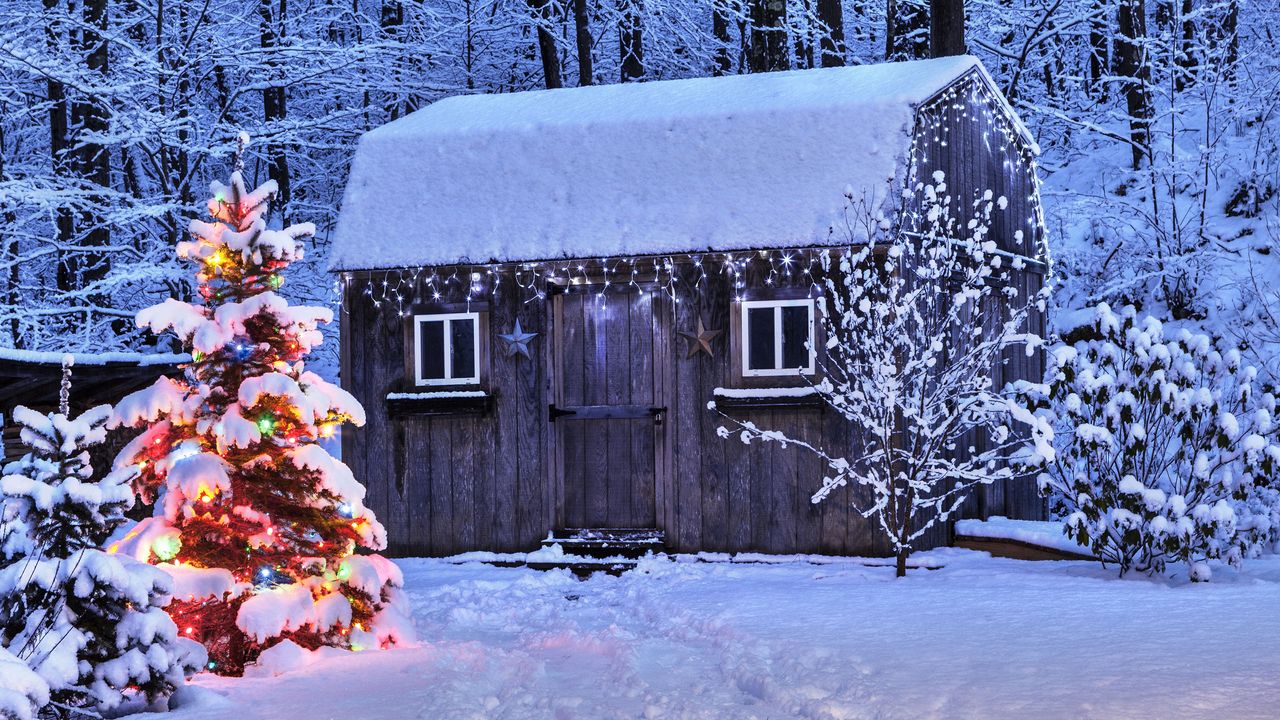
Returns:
<point x="543" y="290"/>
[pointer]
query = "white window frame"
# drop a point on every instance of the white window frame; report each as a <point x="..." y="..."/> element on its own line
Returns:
<point x="744" y="338"/>
<point x="448" y="378"/>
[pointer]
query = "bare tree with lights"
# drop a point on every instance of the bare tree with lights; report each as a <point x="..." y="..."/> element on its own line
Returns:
<point x="919" y="318"/>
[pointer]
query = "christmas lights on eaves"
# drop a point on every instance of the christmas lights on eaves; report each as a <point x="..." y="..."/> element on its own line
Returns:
<point x="667" y="275"/>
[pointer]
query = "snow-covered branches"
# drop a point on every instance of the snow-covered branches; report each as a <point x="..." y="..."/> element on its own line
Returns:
<point x="919" y="320"/>
<point x="1166" y="446"/>
<point x="255" y="520"/>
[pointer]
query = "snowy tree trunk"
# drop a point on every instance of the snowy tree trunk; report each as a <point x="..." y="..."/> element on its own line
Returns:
<point x="769" y="47"/>
<point x="546" y="44"/>
<point x="631" y="39"/>
<point x="582" y="32"/>
<point x="1099" y="47"/>
<point x="92" y="159"/>
<point x="831" y="14"/>
<point x="906" y="30"/>
<point x="56" y="96"/>
<point x="720" y="10"/>
<point x="946" y="28"/>
<point x="273" y="101"/>
<point x="1133" y="64"/>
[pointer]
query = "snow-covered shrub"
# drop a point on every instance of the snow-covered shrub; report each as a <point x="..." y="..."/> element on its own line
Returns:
<point x="1164" y="446"/>
<point x="919" y="317"/>
<point x="91" y="624"/>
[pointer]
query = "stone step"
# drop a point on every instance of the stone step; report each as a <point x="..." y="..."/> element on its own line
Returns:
<point x="608" y="542"/>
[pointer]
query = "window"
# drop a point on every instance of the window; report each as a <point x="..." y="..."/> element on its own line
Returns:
<point x="777" y="337"/>
<point x="447" y="349"/>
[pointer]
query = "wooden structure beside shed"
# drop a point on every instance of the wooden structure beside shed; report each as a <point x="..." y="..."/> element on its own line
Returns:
<point x="33" y="379"/>
<point x="542" y="292"/>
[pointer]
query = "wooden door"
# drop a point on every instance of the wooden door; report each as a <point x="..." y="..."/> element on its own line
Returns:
<point x="609" y="415"/>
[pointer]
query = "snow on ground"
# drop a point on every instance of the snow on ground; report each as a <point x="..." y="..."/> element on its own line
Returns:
<point x="979" y="638"/>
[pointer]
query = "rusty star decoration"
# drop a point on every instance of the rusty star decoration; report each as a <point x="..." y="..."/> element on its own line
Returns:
<point x="518" y="341"/>
<point x="700" y="341"/>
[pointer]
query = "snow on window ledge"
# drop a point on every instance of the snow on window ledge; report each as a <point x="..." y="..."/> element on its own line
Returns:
<point x="764" y="393"/>
<point x="437" y="395"/>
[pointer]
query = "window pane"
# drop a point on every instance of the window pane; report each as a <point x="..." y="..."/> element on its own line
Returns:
<point x="760" y="340"/>
<point x="431" y="349"/>
<point x="462" y="336"/>
<point x="795" y="333"/>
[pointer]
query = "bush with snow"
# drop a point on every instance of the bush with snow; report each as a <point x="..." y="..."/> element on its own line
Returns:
<point x="91" y="624"/>
<point x="1165" y="446"/>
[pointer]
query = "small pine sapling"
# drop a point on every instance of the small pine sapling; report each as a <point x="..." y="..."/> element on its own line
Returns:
<point x="91" y="624"/>
<point x="919" y="317"/>
<point x="256" y="521"/>
<point x="1165" y="446"/>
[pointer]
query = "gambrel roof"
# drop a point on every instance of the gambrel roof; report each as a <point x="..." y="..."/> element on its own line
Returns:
<point x="707" y="164"/>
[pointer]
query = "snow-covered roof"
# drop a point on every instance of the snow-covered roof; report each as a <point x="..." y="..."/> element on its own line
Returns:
<point x="745" y="161"/>
<point x="140" y="359"/>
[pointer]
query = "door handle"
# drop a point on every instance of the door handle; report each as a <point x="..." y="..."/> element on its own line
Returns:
<point x="554" y="412"/>
<point x="658" y="414"/>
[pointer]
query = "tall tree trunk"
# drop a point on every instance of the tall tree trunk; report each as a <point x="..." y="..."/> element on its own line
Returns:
<point x="392" y="18"/>
<point x="1230" y="35"/>
<point x="1099" y="48"/>
<point x="59" y="141"/>
<point x="831" y="15"/>
<point x="582" y="28"/>
<point x="769" y="48"/>
<point x="546" y="44"/>
<point x="274" y="110"/>
<point x="631" y="39"/>
<point x="92" y="160"/>
<point x="720" y="29"/>
<point x="906" y="30"/>
<point x="1133" y="65"/>
<point x="946" y="28"/>
<point x="1186" y="60"/>
<point x="13" y="275"/>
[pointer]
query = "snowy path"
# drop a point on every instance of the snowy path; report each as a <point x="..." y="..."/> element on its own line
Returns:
<point x="982" y="638"/>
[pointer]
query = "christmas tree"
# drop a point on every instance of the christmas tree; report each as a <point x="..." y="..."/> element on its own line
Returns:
<point x="256" y="521"/>
<point x="91" y="625"/>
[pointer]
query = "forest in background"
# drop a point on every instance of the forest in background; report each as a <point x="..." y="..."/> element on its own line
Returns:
<point x="1156" y="119"/>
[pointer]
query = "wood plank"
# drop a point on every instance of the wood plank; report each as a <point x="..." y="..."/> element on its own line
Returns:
<point x="440" y="450"/>
<point x="642" y="449"/>
<point x="806" y="477"/>
<point x="419" y="482"/>
<point x="529" y="427"/>
<point x="463" y="460"/>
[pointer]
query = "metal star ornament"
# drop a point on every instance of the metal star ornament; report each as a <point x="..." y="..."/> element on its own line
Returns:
<point x="700" y="341"/>
<point x="518" y="341"/>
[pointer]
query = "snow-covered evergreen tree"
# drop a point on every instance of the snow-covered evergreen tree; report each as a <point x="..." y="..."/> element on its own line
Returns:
<point x="257" y="522"/>
<point x="91" y="624"/>
<point x="918" y="319"/>
<point x="1166" y="446"/>
<point x="22" y="692"/>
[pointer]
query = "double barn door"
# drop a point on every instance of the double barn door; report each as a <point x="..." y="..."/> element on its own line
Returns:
<point x="609" y="414"/>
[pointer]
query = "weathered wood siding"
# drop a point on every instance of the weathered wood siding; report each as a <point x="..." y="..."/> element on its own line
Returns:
<point x="957" y="137"/>
<point x="450" y="483"/>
